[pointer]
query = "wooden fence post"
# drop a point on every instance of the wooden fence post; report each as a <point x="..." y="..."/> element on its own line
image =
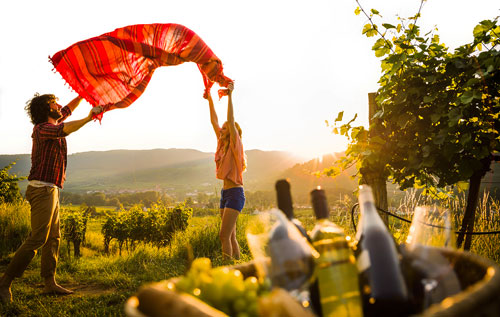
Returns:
<point x="375" y="176"/>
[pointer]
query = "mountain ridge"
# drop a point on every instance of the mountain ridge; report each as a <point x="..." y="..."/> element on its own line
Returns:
<point x="145" y="169"/>
<point x="188" y="170"/>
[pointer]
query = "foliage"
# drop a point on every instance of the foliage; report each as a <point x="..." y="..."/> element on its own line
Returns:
<point x="260" y="200"/>
<point x="487" y="219"/>
<point x="155" y="225"/>
<point x="438" y="117"/>
<point x="201" y="239"/>
<point x="147" y="198"/>
<point x="105" y="282"/>
<point x="74" y="227"/>
<point x="15" y="225"/>
<point x="9" y="189"/>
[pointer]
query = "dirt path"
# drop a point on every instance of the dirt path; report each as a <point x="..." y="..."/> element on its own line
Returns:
<point x="80" y="289"/>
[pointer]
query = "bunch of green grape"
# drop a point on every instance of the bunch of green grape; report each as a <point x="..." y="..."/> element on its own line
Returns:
<point x="223" y="288"/>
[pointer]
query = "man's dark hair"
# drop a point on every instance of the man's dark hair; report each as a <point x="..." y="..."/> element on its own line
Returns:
<point x="38" y="107"/>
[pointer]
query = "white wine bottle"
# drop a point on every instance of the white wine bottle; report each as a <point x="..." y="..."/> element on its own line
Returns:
<point x="292" y="257"/>
<point x="382" y="284"/>
<point x="299" y="289"/>
<point x="336" y="273"/>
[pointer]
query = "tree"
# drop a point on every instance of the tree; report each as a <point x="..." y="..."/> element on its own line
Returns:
<point x="9" y="189"/>
<point x="260" y="200"/>
<point x="96" y="199"/>
<point x="438" y="117"/>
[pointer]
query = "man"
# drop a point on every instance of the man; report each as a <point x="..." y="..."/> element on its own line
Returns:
<point x="46" y="179"/>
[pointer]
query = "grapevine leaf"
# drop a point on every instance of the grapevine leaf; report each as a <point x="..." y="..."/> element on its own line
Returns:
<point x="339" y="116"/>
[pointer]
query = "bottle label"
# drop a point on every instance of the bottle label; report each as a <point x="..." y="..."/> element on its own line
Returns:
<point x="363" y="261"/>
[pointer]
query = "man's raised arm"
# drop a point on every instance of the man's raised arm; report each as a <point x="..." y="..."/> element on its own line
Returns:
<point x="72" y="126"/>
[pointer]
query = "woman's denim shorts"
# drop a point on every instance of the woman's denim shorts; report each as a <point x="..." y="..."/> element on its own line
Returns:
<point x="232" y="198"/>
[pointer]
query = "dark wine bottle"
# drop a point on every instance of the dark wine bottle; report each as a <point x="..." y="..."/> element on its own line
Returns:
<point x="285" y="204"/>
<point x="381" y="281"/>
<point x="336" y="273"/>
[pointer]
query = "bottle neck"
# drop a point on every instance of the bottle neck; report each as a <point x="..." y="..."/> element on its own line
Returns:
<point x="369" y="217"/>
<point x="284" y="198"/>
<point x="320" y="204"/>
<point x="322" y="220"/>
<point x="325" y="229"/>
<point x="367" y="206"/>
<point x="369" y="214"/>
<point x="324" y="223"/>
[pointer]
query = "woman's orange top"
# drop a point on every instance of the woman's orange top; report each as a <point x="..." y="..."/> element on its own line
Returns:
<point x="230" y="163"/>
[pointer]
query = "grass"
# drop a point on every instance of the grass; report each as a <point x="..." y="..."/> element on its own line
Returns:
<point x="104" y="282"/>
<point x="487" y="219"/>
<point x="14" y="226"/>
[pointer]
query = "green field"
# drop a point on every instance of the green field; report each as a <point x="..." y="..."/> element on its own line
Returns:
<point x="102" y="283"/>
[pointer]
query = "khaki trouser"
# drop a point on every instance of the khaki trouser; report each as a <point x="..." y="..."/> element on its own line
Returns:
<point x="45" y="232"/>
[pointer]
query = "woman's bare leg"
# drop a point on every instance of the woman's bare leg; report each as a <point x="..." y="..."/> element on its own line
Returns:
<point x="234" y="245"/>
<point x="227" y="234"/>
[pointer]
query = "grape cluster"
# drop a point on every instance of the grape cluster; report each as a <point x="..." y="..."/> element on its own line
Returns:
<point x="223" y="288"/>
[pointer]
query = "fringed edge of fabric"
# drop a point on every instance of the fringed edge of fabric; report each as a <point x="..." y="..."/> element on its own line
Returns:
<point x="72" y="88"/>
<point x="208" y="84"/>
<point x="54" y="70"/>
<point x="223" y="92"/>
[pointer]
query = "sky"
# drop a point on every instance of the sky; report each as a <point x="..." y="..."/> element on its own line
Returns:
<point x="295" y="64"/>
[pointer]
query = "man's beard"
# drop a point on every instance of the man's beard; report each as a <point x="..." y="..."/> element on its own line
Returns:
<point x="55" y="114"/>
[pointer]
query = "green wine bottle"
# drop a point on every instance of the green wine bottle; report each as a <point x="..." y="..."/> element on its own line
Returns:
<point x="336" y="271"/>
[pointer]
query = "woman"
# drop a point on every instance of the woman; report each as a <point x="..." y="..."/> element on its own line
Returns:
<point x="230" y="164"/>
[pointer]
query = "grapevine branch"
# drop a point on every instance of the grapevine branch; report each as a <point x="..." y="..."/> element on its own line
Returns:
<point x="416" y="17"/>
<point x="375" y="27"/>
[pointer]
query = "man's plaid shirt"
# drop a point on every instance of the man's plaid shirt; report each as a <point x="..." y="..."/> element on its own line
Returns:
<point x="49" y="152"/>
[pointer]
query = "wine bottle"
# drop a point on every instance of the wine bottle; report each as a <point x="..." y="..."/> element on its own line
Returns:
<point x="336" y="273"/>
<point x="382" y="285"/>
<point x="285" y="204"/>
<point x="292" y="257"/>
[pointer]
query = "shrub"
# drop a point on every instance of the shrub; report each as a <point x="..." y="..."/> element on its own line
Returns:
<point x="15" y="225"/>
<point x="9" y="189"/>
<point x="155" y="226"/>
<point x="74" y="227"/>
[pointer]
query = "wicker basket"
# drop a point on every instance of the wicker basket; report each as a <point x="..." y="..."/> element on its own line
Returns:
<point x="480" y="282"/>
<point x="479" y="279"/>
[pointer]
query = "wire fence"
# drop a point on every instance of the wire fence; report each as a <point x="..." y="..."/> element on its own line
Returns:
<point x="427" y="224"/>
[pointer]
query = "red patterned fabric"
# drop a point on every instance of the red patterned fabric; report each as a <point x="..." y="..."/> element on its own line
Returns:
<point x="113" y="70"/>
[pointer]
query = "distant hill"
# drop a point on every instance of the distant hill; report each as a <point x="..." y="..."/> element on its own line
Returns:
<point x="154" y="169"/>
<point x="302" y="179"/>
<point x="185" y="170"/>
